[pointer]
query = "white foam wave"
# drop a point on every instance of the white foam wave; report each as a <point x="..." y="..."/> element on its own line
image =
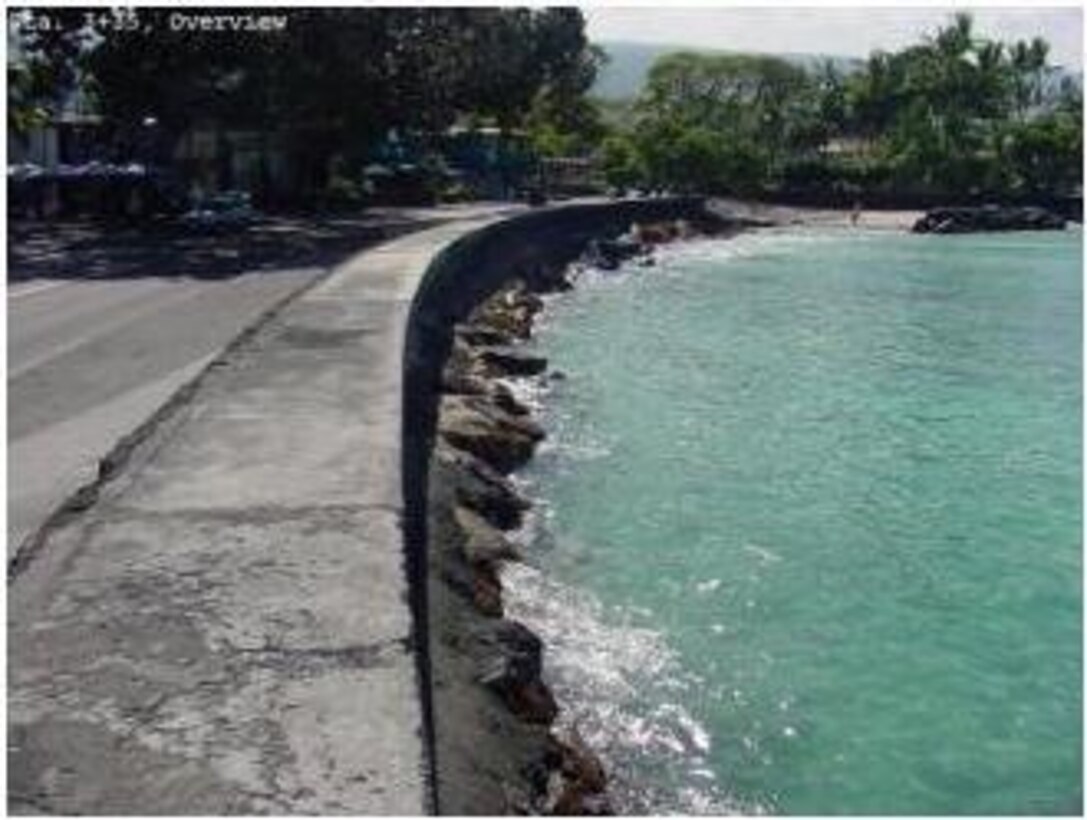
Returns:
<point x="763" y="554"/>
<point x="527" y="390"/>
<point x="617" y="680"/>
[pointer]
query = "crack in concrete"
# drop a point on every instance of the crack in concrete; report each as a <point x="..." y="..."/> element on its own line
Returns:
<point x="300" y="662"/>
<point x="114" y="462"/>
<point x="305" y="338"/>
<point x="250" y="515"/>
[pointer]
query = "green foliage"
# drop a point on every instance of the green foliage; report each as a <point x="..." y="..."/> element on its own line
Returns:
<point x="1045" y="154"/>
<point x="620" y="162"/>
<point x="332" y="81"/>
<point x="722" y="122"/>
<point x="564" y="127"/>
<point x="953" y="115"/>
<point x="737" y="92"/>
<point x="548" y="141"/>
<point x="44" y="57"/>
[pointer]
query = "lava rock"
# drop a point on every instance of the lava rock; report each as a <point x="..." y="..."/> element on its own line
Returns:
<point x="514" y="656"/>
<point x="534" y="703"/>
<point x="477" y="334"/>
<point x="478" y="584"/>
<point x="486" y="591"/>
<point x="504" y="441"/>
<point x="511" y="667"/>
<point x="553" y="280"/>
<point x="483" y="543"/>
<point x="456" y="381"/>
<point x="609" y="254"/>
<point x="482" y="489"/>
<point x="577" y="785"/>
<point x="510" y="312"/>
<point x="506" y="361"/>
<point x="504" y="399"/>
<point x="988" y="218"/>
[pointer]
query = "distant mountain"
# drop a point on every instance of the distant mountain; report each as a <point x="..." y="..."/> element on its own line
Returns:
<point x="628" y="66"/>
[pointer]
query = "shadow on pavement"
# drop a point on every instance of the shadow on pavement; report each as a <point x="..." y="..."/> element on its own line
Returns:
<point x="89" y="250"/>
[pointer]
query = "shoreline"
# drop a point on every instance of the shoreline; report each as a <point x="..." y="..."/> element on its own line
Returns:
<point x="495" y="748"/>
<point x="482" y="757"/>
<point x="484" y="434"/>
<point x="785" y="215"/>
<point x="507" y="756"/>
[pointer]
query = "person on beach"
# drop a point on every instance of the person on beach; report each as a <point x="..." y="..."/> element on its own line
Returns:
<point x="855" y="216"/>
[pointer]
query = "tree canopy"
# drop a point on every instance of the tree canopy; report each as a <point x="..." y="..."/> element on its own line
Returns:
<point x="953" y="115"/>
<point x="333" y="80"/>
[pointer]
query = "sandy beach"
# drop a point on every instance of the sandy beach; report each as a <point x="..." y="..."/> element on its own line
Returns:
<point x="793" y="215"/>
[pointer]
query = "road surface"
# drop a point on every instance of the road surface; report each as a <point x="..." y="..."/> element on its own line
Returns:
<point x="89" y="360"/>
<point x="228" y="630"/>
<point x="104" y="327"/>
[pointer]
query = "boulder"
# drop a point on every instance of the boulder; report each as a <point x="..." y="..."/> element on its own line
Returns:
<point x="474" y="425"/>
<point x="508" y="361"/>
<point x="483" y="543"/>
<point x="609" y="254"/>
<point x="656" y="233"/>
<point x="577" y="782"/>
<point x="482" y="489"/>
<point x="534" y="703"/>
<point x="459" y="366"/>
<point x="486" y="591"/>
<point x="478" y="584"/>
<point x="510" y="312"/>
<point x="553" y="280"/>
<point x="460" y="383"/>
<point x="456" y="381"/>
<point x="467" y="360"/>
<point x="477" y="334"/>
<point x="513" y="655"/>
<point x="988" y="218"/>
<point x="520" y="296"/>
<point x="510" y="667"/>
<point x="581" y="763"/>
<point x="504" y="399"/>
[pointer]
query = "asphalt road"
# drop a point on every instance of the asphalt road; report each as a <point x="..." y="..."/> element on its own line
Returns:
<point x="90" y="360"/>
<point x="230" y="631"/>
<point x="105" y="325"/>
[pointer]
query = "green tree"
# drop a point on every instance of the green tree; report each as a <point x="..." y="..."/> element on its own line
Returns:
<point x="336" y="80"/>
<point x="45" y="47"/>
<point x="1044" y="156"/>
<point x="700" y="106"/>
<point x="1028" y="63"/>
<point x="621" y="162"/>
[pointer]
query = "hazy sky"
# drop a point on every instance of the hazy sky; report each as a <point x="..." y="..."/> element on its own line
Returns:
<point x="840" y="31"/>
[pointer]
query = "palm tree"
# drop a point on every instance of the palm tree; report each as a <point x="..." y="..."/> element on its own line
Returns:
<point x="1027" y="65"/>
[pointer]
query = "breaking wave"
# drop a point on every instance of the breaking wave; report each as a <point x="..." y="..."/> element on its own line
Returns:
<point x="620" y="684"/>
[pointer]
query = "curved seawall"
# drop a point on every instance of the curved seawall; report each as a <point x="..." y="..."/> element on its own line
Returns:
<point x="223" y="624"/>
<point x="490" y="753"/>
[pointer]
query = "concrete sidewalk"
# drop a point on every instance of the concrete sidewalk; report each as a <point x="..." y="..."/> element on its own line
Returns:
<point x="228" y="630"/>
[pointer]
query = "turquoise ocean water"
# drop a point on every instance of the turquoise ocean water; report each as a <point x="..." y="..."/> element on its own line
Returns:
<point x="809" y="526"/>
